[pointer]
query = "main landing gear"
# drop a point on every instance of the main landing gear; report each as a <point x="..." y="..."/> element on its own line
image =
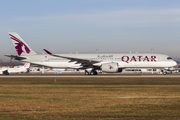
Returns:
<point x="93" y="72"/>
<point x="164" y="73"/>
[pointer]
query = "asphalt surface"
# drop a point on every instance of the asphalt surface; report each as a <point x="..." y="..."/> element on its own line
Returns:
<point x="85" y="76"/>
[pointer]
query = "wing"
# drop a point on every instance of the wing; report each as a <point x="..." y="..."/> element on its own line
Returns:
<point x="82" y="61"/>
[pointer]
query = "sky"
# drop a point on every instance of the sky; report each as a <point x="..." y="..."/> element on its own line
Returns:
<point x="86" y="25"/>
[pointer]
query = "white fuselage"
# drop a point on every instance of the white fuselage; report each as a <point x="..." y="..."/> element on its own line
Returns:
<point x="16" y="69"/>
<point x="124" y="60"/>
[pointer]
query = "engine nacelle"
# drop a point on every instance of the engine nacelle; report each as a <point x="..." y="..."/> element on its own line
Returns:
<point x="111" y="67"/>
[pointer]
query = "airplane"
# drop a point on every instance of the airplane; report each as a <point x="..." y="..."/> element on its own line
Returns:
<point x="16" y="69"/>
<point x="91" y="63"/>
<point x="171" y="69"/>
<point x="57" y="72"/>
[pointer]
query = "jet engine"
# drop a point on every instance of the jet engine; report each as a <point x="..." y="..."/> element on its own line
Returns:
<point x="111" y="67"/>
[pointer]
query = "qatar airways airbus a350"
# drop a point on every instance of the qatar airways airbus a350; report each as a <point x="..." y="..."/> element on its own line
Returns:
<point x="106" y="62"/>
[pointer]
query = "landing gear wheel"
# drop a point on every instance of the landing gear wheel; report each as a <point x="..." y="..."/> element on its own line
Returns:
<point x="95" y="73"/>
<point x="90" y="73"/>
<point x="165" y="73"/>
<point x="87" y="73"/>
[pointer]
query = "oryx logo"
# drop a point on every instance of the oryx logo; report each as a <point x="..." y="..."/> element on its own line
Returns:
<point x="110" y="67"/>
<point x="19" y="45"/>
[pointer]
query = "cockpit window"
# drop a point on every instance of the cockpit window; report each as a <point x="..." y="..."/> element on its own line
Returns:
<point x="169" y="58"/>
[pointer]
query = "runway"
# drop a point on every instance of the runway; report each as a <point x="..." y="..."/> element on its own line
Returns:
<point x="88" y="76"/>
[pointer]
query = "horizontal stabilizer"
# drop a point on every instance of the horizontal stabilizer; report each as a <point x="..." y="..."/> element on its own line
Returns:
<point x="15" y="57"/>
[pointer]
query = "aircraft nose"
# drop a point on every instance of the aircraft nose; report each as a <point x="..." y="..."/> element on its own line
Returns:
<point x="174" y="63"/>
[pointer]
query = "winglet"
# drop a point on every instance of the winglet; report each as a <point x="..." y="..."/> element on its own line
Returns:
<point x="47" y="51"/>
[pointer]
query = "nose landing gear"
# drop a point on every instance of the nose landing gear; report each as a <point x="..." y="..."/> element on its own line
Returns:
<point x="164" y="72"/>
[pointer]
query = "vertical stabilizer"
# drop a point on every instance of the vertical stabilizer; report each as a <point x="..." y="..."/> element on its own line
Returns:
<point x="20" y="45"/>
